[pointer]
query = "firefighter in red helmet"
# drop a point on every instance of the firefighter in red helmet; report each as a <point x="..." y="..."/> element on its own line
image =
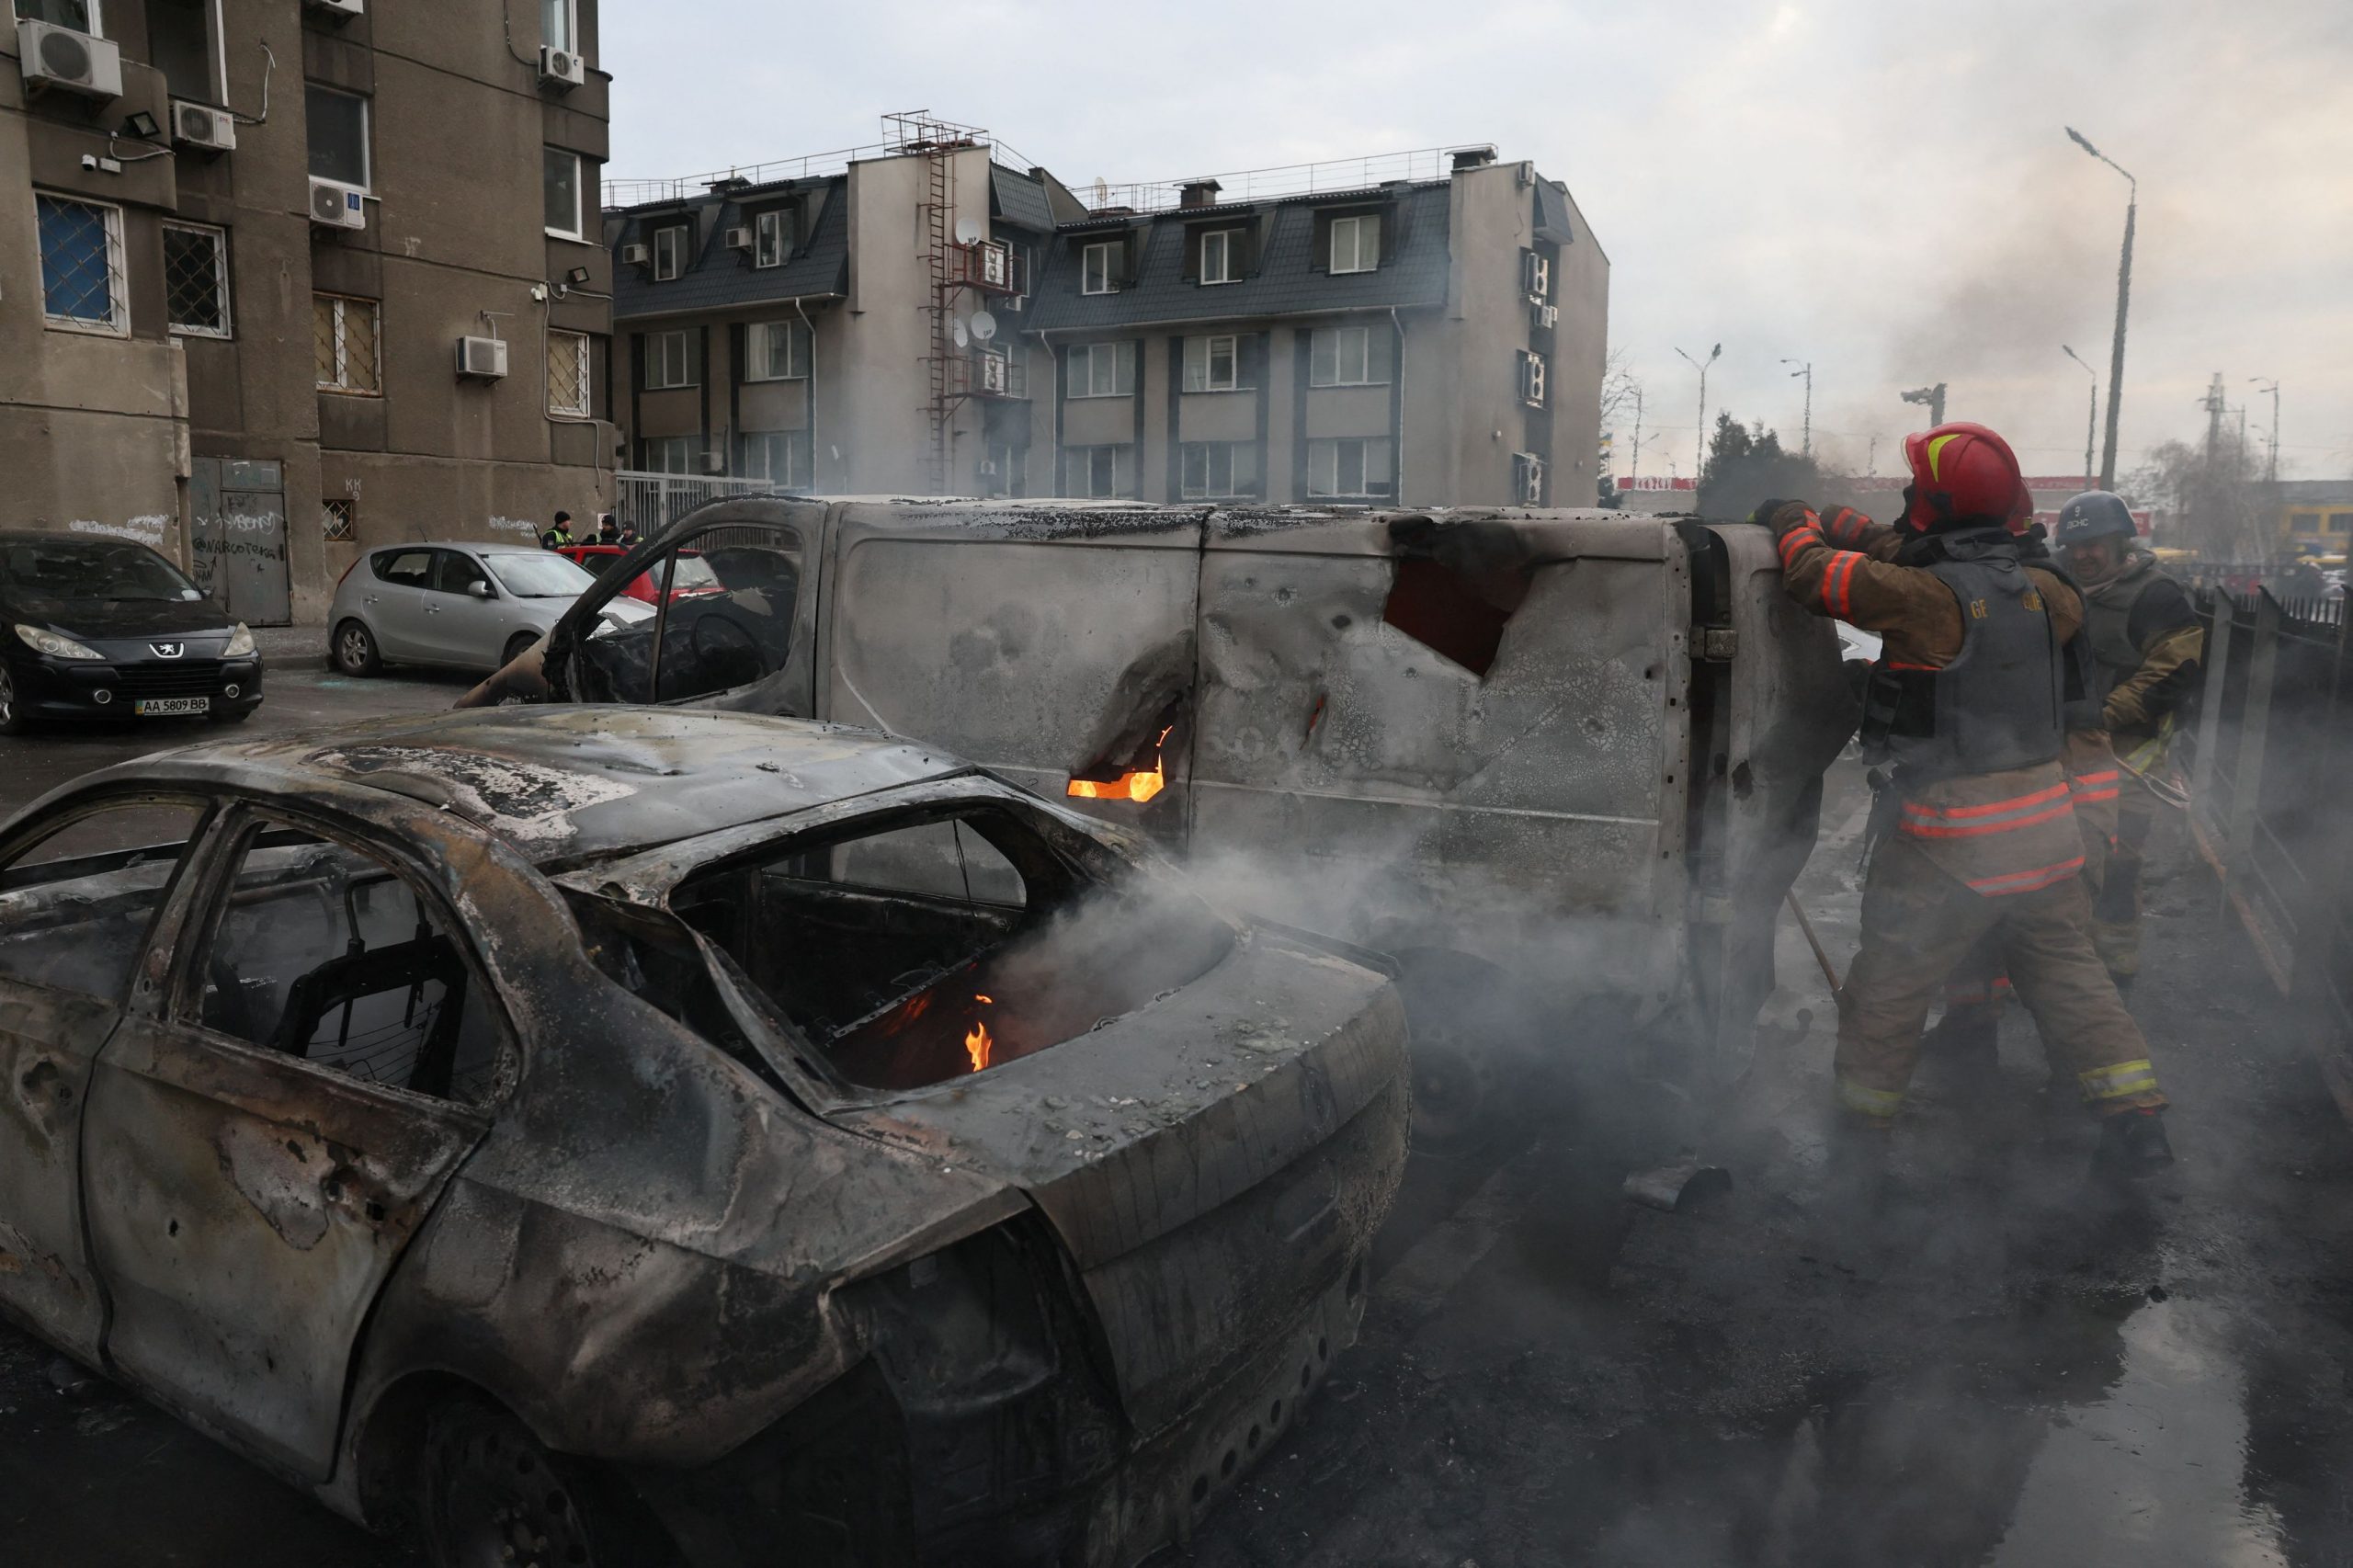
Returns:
<point x="1975" y="831"/>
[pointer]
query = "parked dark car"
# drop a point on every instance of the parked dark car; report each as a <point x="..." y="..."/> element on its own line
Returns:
<point x="100" y="627"/>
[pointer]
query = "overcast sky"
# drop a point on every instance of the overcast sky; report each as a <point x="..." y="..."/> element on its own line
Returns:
<point x="1881" y="188"/>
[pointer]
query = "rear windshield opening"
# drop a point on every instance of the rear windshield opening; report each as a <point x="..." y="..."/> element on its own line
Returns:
<point x="934" y="949"/>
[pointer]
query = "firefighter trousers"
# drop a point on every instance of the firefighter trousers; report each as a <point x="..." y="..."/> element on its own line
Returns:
<point x="2116" y="913"/>
<point x="1919" y="922"/>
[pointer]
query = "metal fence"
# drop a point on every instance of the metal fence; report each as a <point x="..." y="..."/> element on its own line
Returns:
<point x="651" y="502"/>
<point x="2270" y="752"/>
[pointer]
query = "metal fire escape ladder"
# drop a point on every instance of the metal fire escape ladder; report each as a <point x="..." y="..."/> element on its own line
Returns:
<point x="918" y="133"/>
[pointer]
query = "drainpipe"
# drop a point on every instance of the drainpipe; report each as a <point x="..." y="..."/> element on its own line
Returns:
<point x="1055" y="390"/>
<point x="1397" y="460"/>
<point x="809" y="398"/>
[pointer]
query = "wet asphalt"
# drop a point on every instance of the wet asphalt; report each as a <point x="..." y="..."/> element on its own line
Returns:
<point x="1995" y="1360"/>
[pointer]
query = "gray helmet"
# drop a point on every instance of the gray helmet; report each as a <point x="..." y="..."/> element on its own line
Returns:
<point x="2095" y="513"/>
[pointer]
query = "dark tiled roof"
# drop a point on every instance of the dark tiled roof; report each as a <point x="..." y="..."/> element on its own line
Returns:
<point x="1020" y="199"/>
<point x="1552" y="214"/>
<point x="720" y="279"/>
<point x="1411" y="273"/>
<point x="2309" y="492"/>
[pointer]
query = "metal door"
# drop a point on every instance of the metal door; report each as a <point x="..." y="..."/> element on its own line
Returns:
<point x="457" y="628"/>
<point x="240" y="537"/>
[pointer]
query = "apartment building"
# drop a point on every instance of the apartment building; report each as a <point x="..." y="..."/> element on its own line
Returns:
<point x="927" y="319"/>
<point x="280" y="280"/>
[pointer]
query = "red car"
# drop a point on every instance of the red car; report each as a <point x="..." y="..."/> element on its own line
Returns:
<point x="691" y="578"/>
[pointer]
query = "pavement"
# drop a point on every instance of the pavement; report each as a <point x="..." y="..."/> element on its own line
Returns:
<point x="1997" y="1362"/>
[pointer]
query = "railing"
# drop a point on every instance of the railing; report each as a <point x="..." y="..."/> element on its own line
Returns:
<point x="651" y="502"/>
<point x="1288" y="179"/>
<point x="2268" y="751"/>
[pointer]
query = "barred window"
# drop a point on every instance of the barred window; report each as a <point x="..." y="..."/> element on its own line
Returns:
<point x="196" y="280"/>
<point x="339" y="516"/>
<point x="81" y="265"/>
<point x="344" y="344"/>
<point x="568" y="360"/>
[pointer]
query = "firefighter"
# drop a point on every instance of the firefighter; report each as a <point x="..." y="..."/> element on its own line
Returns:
<point x="1975" y="830"/>
<point x="559" y="536"/>
<point x="2146" y="644"/>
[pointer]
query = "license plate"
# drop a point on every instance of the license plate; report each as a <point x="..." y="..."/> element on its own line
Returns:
<point x="171" y="706"/>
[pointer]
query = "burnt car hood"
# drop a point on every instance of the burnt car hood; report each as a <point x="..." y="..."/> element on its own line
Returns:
<point x="1212" y="1161"/>
<point x="100" y="619"/>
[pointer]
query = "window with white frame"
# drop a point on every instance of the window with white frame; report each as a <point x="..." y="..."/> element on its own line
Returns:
<point x="82" y="16"/>
<point x="779" y="457"/>
<point x="1222" y="256"/>
<point x="562" y="184"/>
<point x="1003" y="469"/>
<point x="81" y="265"/>
<point x="669" y="361"/>
<point x="569" y="356"/>
<point x="667" y="454"/>
<point x="180" y="43"/>
<point x="1103" y="370"/>
<point x="775" y="351"/>
<point x="196" y="280"/>
<point x="772" y="237"/>
<point x="1349" y="467"/>
<point x="1098" y="269"/>
<point x="1214" y="470"/>
<point x="1527" y="479"/>
<point x="1213" y="364"/>
<point x="1356" y="243"/>
<point x="1531" y="378"/>
<point x="559" y="24"/>
<point x="1350" y="356"/>
<point x="337" y="125"/>
<point x="1100" y="471"/>
<point x="345" y="347"/>
<point x="669" y="252"/>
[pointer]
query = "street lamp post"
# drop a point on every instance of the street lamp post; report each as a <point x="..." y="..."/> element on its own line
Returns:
<point x="1700" y="446"/>
<point x="1808" y="373"/>
<point x="2124" y="301"/>
<point x="2272" y="469"/>
<point x="2091" y="419"/>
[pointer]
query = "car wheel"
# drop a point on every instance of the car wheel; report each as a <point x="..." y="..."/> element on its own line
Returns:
<point x="13" y="720"/>
<point x="1466" y="1046"/>
<point x="355" y="650"/>
<point x="492" y="1495"/>
<point x="517" y="646"/>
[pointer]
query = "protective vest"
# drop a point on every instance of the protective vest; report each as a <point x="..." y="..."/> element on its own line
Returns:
<point x="2107" y="618"/>
<point x="2001" y="703"/>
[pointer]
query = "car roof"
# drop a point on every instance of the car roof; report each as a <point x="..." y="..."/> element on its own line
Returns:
<point x="571" y="783"/>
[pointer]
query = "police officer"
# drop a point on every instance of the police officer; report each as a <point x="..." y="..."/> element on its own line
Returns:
<point x="558" y="537"/>
<point x="1967" y="709"/>
<point x="607" y="531"/>
<point x="2147" y="645"/>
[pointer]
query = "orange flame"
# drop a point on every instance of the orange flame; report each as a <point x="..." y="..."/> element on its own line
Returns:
<point x="1136" y="784"/>
<point x="977" y="1045"/>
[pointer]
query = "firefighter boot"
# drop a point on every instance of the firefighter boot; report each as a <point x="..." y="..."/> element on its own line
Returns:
<point x="2133" y="1143"/>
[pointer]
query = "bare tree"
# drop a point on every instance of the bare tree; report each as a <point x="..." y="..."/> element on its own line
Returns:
<point x="2216" y="495"/>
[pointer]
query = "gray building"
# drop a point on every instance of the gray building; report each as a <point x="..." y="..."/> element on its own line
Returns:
<point x="283" y="279"/>
<point x="925" y="319"/>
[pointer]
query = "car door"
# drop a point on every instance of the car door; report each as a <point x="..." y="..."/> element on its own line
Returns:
<point x="79" y="896"/>
<point x="393" y="600"/>
<point x="263" y="1140"/>
<point x="462" y="627"/>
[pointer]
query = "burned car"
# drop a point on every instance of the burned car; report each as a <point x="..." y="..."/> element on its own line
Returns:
<point x="619" y="1136"/>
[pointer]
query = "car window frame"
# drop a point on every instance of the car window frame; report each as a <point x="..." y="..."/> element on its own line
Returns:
<point x="444" y="559"/>
<point x="378" y="561"/>
<point x="46" y="824"/>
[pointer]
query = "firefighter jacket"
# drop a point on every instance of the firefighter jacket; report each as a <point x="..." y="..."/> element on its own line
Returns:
<point x="2148" y="642"/>
<point x="2001" y="821"/>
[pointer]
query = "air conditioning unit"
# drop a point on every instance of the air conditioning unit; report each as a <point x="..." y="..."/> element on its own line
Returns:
<point x="1531" y="380"/>
<point x="562" y="68"/>
<point x="996" y="373"/>
<point x="636" y="256"/>
<point x="334" y="205"/>
<point x="1543" y="318"/>
<point x="996" y="266"/>
<point x="71" y="62"/>
<point x="739" y="239"/>
<point x="1527" y="479"/>
<point x="482" y="358"/>
<point x="201" y="125"/>
<point x="341" y="10"/>
<point x="1539" y="276"/>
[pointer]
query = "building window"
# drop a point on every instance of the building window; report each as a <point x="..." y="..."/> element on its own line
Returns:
<point x="2305" y="522"/>
<point x="775" y="351"/>
<point x="1002" y="468"/>
<point x="1215" y="470"/>
<point x="338" y="128"/>
<point x="669" y="361"/>
<point x="1527" y="479"/>
<point x="81" y="265"/>
<point x="1531" y="379"/>
<point x="1356" y="243"/>
<point x="772" y="237"/>
<point x="558" y="24"/>
<point x="1213" y="364"/>
<point x="1100" y="471"/>
<point x="1098" y="269"/>
<point x="338" y="520"/>
<point x="562" y="186"/>
<point x="569" y="356"/>
<point x="2340" y="522"/>
<point x="1103" y="370"/>
<point x="196" y="280"/>
<point x="666" y="454"/>
<point x="1350" y="468"/>
<point x="344" y="344"/>
<point x="669" y="253"/>
<point x="179" y="44"/>
<point x="779" y="457"/>
<point x="82" y="16"/>
<point x="1349" y="357"/>
<point x="1222" y="256"/>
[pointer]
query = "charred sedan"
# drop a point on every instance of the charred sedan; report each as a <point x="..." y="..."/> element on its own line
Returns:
<point x="592" y="1135"/>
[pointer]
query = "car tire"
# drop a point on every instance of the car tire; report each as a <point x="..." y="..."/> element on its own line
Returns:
<point x="489" y="1491"/>
<point x="355" y="650"/>
<point x="1467" y="1045"/>
<point x="517" y="646"/>
<point x="13" y="718"/>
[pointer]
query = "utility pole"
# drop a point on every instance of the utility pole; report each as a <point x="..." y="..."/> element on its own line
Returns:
<point x="2271" y="470"/>
<point x="2124" y="301"/>
<point x="1933" y="397"/>
<point x="2091" y="419"/>
<point x="1808" y="373"/>
<point x="1699" y="445"/>
<point x="1638" y="434"/>
<point x="2214" y="404"/>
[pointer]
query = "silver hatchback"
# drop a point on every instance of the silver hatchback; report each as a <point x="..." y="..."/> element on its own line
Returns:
<point x="472" y="607"/>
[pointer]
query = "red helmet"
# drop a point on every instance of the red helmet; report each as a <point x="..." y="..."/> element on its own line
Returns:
<point x="1964" y="470"/>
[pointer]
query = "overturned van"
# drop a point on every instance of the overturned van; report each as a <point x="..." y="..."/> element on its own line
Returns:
<point x="1578" y="751"/>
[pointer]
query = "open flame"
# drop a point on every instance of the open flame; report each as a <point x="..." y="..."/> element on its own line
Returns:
<point x="978" y="1043"/>
<point x="1137" y="784"/>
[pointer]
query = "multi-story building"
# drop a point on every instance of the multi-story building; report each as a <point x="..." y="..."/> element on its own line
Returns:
<point x="280" y="278"/>
<point x="2314" y="517"/>
<point x="925" y="320"/>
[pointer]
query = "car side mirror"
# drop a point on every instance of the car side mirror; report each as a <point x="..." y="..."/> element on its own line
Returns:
<point x="480" y="589"/>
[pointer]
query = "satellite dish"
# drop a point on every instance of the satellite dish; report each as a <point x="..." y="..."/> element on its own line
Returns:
<point x="963" y="338"/>
<point x="983" y="325"/>
<point x="968" y="230"/>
